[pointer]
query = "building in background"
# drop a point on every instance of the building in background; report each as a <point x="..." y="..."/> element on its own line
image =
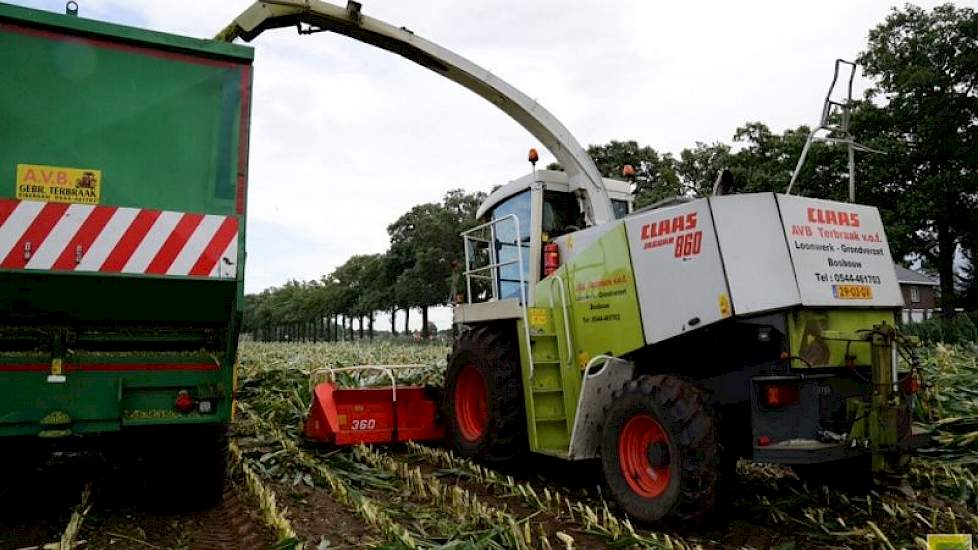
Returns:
<point x="919" y="294"/>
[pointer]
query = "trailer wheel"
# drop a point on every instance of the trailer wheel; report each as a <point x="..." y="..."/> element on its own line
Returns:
<point x="483" y="399"/>
<point x="659" y="450"/>
<point x="188" y="465"/>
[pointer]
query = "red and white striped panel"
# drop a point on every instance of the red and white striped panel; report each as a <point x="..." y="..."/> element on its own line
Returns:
<point x="108" y="239"/>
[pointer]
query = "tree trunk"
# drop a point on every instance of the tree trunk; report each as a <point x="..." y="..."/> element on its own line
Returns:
<point x="407" y="319"/>
<point x="360" y="325"/>
<point x="351" y="329"/>
<point x="393" y="321"/>
<point x="945" y="269"/>
<point x="424" y="323"/>
<point x="370" y="331"/>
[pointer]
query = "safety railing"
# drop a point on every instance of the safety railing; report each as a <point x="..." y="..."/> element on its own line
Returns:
<point x="485" y="238"/>
<point x="315" y="377"/>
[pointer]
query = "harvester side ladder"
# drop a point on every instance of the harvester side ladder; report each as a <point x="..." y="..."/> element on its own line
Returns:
<point x="550" y="375"/>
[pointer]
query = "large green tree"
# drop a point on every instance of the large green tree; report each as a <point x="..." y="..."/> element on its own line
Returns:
<point x="425" y="242"/>
<point x="925" y="66"/>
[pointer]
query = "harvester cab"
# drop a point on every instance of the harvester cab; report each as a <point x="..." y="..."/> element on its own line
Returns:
<point x="667" y="342"/>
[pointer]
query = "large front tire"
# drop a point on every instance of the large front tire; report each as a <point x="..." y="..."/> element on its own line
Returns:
<point x="659" y="450"/>
<point x="484" y="395"/>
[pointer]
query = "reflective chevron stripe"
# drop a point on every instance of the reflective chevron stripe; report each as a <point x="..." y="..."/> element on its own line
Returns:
<point x="78" y="237"/>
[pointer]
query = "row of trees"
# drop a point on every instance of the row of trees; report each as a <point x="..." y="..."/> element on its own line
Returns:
<point x="419" y="270"/>
<point x="922" y="112"/>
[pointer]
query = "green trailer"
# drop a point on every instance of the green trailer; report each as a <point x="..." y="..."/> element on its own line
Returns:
<point x="123" y="178"/>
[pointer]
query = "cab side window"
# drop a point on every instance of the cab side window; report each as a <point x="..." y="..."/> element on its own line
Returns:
<point x="561" y="214"/>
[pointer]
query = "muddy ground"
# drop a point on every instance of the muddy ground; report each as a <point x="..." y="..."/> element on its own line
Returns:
<point x="36" y="504"/>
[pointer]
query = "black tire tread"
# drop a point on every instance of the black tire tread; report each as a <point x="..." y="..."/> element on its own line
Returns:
<point x="493" y="350"/>
<point x="690" y="421"/>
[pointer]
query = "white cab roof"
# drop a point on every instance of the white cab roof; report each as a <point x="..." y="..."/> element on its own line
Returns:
<point x="553" y="180"/>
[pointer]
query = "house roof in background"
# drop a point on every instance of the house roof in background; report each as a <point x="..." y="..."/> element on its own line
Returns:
<point x="909" y="276"/>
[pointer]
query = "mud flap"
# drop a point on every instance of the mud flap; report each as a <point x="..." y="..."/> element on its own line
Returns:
<point x="604" y="376"/>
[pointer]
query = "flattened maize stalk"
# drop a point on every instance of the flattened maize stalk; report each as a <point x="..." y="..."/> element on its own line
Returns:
<point x="463" y="504"/>
<point x="373" y="514"/>
<point x="271" y="514"/>
<point x="604" y="524"/>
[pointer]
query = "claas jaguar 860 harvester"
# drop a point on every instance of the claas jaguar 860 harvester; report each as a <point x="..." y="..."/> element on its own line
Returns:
<point x="123" y="166"/>
<point x="667" y="342"/>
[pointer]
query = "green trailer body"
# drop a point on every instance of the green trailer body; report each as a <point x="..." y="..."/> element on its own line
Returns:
<point x="123" y="171"/>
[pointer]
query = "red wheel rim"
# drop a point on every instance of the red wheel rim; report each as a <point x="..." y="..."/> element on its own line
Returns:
<point x="471" y="403"/>
<point x="639" y="433"/>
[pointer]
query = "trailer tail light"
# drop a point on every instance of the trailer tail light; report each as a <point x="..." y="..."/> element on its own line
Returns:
<point x="184" y="403"/>
<point x="551" y="258"/>
<point x="910" y="385"/>
<point x="781" y="395"/>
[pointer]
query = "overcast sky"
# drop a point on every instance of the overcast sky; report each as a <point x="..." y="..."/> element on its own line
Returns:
<point x="346" y="137"/>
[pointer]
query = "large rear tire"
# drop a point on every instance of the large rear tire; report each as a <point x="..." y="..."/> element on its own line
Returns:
<point x="181" y="467"/>
<point x="483" y="399"/>
<point x="659" y="450"/>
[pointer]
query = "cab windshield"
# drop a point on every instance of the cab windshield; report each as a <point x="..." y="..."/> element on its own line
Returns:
<point x="509" y="248"/>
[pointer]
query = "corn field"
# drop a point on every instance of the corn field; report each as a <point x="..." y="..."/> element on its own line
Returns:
<point x="418" y="496"/>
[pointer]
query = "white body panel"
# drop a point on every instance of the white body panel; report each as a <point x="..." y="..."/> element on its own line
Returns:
<point x="755" y="253"/>
<point x="840" y="253"/>
<point x="678" y="271"/>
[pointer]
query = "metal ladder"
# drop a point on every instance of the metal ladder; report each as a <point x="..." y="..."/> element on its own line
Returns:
<point x="834" y="122"/>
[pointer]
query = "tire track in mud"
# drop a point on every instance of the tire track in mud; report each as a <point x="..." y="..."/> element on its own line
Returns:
<point x="529" y="527"/>
<point x="395" y="499"/>
<point x="370" y="511"/>
<point x="585" y="518"/>
<point x="232" y="525"/>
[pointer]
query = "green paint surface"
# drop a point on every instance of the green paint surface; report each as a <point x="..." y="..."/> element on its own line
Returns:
<point x="805" y="327"/>
<point x="603" y="300"/>
<point x="164" y="132"/>
<point x="598" y="289"/>
<point x="161" y="117"/>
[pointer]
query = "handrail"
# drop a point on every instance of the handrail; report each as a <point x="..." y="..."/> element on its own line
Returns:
<point x="565" y="314"/>
<point x="494" y="264"/>
<point x="386" y="369"/>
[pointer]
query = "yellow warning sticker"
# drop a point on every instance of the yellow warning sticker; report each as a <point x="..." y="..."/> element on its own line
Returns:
<point x="949" y="542"/>
<point x="539" y="317"/>
<point x="724" y="305"/>
<point x="852" y="292"/>
<point x="37" y="182"/>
